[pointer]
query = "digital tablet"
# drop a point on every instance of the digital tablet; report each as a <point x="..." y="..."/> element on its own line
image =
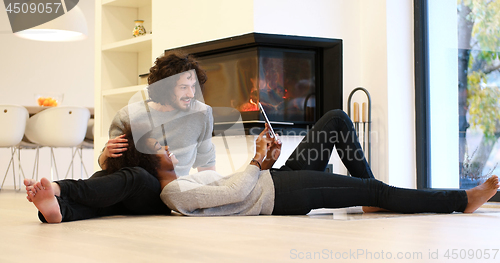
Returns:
<point x="271" y="131"/>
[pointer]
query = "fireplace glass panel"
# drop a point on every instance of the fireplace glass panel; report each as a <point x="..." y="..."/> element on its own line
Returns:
<point x="282" y="80"/>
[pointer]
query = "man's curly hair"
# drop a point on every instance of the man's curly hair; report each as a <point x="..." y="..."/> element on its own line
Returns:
<point x="170" y="64"/>
<point x="135" y="155"/>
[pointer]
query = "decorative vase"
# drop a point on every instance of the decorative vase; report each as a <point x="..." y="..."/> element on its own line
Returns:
<point x="139" y="29"/>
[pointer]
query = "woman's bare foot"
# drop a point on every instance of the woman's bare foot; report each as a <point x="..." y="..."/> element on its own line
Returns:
<point x="480" y="194"/>
<point x="373" y="209"/>
<point x="44" y="199"/>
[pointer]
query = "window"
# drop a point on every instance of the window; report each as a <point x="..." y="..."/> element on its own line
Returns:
<point x="457" y="74"/>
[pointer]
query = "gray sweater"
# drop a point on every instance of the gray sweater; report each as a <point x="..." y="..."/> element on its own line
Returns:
<point x="208" y="193"/>
<point x="188" y="134"/>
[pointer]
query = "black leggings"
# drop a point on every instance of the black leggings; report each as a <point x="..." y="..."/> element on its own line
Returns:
<point x="129" y="191"/>
<point x="301" y="185"/>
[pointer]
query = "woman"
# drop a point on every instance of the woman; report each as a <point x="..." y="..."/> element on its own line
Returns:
<point x="297" y="187"/>
<point x="301" y="185"/>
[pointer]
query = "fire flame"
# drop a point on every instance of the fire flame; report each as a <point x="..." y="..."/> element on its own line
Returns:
<point x="251" y="105"/>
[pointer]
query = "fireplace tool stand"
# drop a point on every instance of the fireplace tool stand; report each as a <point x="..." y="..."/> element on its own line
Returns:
<point x="361" y="125"/>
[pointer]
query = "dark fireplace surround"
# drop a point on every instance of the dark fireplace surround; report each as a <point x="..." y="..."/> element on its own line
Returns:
<point x="297" y="79"/>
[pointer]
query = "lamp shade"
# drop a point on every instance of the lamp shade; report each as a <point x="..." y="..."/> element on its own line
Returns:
<point x="71" y="26"/>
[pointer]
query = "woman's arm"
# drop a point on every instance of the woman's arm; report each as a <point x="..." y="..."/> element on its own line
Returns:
<point x="208" y="189"/>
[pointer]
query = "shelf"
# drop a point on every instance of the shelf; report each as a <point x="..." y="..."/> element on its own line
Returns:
<point x="126" y="3"/>
<point x="130" y="45"/>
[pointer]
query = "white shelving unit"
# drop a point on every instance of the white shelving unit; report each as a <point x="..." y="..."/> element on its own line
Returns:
<point x="120" y="59"/>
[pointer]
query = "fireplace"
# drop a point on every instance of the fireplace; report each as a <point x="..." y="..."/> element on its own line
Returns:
<point x="296" y="79"/>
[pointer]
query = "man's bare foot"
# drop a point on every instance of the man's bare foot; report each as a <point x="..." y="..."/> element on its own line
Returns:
<point x="45" y="201"/>
<point x="373" y="209"/>
<point x="29" y="182"/>
<point x="480" y="194"/>
<point x="29" y="187"/>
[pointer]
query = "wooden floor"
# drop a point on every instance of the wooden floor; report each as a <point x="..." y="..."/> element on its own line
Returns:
<point x="343" y="235"/>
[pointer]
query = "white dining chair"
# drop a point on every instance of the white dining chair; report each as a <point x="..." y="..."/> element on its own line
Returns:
<point x="13" y="123"/>
<point x="62" y="126"/>
<point x="88" y="143"/>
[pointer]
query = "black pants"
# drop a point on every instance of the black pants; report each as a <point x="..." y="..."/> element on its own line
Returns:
<point x="301" y="185"/>
<point x="129" y="191"/>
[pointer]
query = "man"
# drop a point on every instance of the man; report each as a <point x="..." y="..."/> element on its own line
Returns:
<point x="175" y="103"/>
<point x="174" y="112"/>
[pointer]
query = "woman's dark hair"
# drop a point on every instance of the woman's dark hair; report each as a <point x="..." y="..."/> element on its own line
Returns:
<point x="170" y="64"/>
<point x="133" y="156"/>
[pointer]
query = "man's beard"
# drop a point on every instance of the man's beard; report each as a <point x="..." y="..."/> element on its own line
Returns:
<point x="187" y="108"/>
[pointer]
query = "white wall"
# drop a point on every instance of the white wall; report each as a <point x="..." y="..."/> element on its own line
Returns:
<point x="29" y="67"/>
<point x="373" y="76"/>
<point x="400" y="94"/>
<point x="400" y="136"/>
<point x="388" y="73"/>
<point x="189" y="22"/>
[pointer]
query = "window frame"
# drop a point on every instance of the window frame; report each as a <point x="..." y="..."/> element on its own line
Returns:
<point x="422" y="104"/>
